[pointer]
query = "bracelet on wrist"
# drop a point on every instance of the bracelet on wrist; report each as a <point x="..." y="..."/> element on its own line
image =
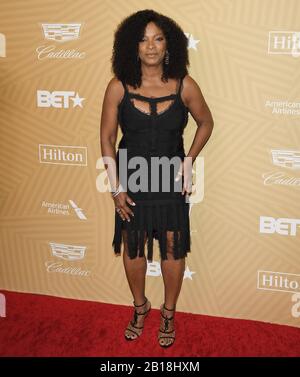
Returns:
<point x="117" y="191"/>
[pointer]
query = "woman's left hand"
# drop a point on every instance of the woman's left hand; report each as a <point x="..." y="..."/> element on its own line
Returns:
<point x="185" y="170"/>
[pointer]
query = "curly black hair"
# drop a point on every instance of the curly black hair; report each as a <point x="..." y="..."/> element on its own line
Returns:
<point x="126" y="40"/>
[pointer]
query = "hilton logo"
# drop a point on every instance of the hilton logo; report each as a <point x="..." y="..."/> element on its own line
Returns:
<point x="62" y="155"/>
<point x="278" y="281"/>
<point x="284" y="42"/>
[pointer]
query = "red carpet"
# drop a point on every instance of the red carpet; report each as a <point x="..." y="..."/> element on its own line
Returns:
<point x="37" y="325"/>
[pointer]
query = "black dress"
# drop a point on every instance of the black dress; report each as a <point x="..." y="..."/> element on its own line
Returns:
<point x="153" y="134"/>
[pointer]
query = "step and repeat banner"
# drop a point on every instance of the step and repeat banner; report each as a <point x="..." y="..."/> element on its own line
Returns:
<point x="57" y="227"/>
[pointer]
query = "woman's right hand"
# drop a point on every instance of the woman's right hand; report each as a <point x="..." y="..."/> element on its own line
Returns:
<point x="122" y="208"/>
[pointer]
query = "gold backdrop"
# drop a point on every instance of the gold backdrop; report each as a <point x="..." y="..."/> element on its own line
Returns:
<point x="57" y="228"/>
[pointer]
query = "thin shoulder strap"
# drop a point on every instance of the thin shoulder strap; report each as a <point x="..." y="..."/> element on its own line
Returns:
<point x="180" y="85"/>
<point x="124" y="85"/>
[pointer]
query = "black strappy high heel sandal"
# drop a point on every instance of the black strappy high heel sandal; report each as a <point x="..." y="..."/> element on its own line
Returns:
<point x="137" y="330"/>
<point x="165" y="330"/>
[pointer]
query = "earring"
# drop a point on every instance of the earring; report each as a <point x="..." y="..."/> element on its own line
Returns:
<point x="167" y="57"/>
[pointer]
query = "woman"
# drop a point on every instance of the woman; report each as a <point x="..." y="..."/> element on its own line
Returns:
<point x="150" y="97"/>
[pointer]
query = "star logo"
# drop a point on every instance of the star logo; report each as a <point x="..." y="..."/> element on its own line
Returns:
<point x="188" y="274"/>
<point x="77" y="100"/>
<point x="192" y="42"/>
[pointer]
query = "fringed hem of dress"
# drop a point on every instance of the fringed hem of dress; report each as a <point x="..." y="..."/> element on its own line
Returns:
<point x="154" y="218"/>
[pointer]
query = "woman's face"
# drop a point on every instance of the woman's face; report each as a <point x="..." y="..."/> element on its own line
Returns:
<point x="152" y="46"/>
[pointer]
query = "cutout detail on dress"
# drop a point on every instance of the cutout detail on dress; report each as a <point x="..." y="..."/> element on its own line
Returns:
<point x="153" y="105"/>
<point x="156" y="109"/>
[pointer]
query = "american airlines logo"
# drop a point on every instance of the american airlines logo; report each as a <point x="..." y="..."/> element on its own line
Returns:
<point x="2" y="46"/>
<point x="60" y="33"/>
<point x="283" y="107"/>
<point x="284" y="42"/>
<point x="64" y="209"/>
<point x="286" y="159"/>
<point x="62" y="155"/>
<point x="59" y="99"/>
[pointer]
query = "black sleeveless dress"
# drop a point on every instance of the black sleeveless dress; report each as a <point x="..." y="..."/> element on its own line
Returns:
<point x="157" y="211"/>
